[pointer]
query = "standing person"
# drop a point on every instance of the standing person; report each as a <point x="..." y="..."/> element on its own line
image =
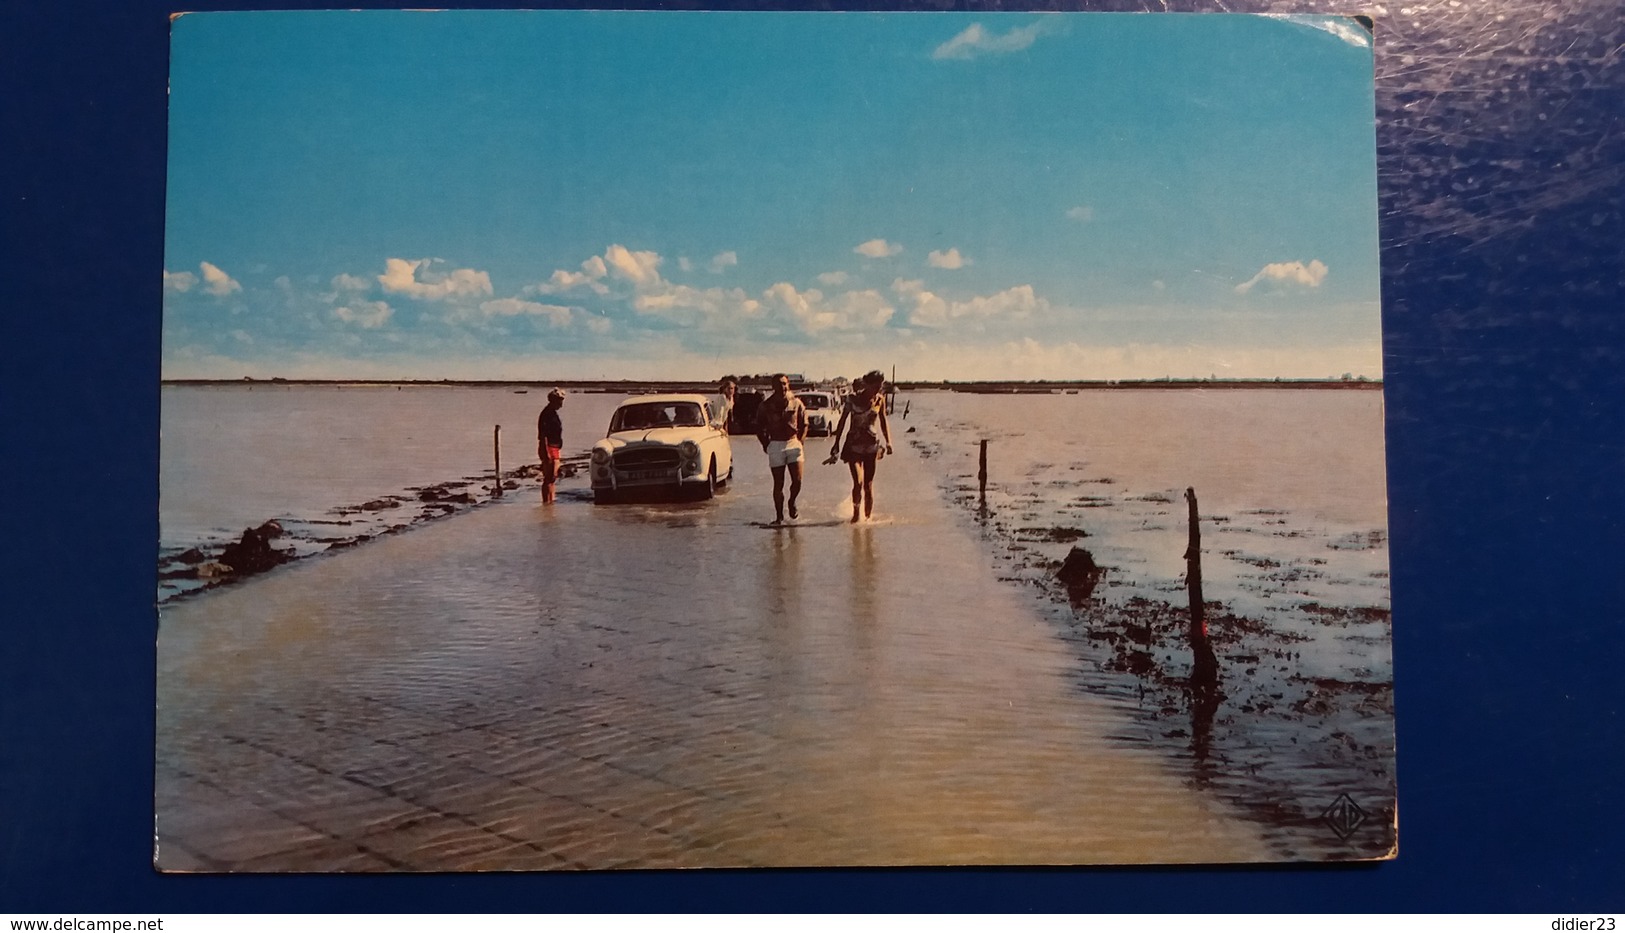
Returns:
<point x="722" y="416"/>
<point x="868" y="440"/>
<point x="781" y="425"/>
<point x="550" y="442"/>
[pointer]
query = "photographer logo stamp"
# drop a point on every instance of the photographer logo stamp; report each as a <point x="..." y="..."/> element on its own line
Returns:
<point x="1344" y="816"/>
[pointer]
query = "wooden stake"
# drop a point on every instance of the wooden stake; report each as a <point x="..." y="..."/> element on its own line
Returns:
<point x="496" y="451"/>
<point x="1204" y="665"/>
<point x="981" y="474"/>
<point x="1193" y="568"/>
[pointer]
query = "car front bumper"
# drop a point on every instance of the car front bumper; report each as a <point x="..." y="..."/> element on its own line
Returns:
<point x="608" y="477"/>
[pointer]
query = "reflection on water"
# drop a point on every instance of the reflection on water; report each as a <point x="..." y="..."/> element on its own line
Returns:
<point x="649" y="685"/>
<point x="1204" y="705"/>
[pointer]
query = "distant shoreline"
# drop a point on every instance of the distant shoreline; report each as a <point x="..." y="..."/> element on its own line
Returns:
<point x="992" y="387"/>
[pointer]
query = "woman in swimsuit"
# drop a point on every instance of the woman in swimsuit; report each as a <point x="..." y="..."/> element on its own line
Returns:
<point x="868" y="440"/>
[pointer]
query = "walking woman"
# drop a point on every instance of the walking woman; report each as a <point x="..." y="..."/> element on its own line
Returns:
<point x="868" y="439"/>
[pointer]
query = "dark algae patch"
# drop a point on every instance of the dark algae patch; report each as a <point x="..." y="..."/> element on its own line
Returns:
<point x="1057" y="534"/>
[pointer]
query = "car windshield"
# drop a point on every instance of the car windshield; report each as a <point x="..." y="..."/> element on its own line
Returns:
<point x="814" y="400"/>
<point x="645" y="415"/>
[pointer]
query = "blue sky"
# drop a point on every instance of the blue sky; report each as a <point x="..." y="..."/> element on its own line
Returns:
<point x="560" y="195"/>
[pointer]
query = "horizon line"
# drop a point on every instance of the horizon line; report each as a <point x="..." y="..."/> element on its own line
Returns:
<point x="1154" y="380"/>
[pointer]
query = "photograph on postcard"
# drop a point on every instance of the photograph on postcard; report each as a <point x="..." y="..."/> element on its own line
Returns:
<point x="625" y="440"/>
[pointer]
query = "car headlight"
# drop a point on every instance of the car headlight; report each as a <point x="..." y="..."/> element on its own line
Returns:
<point x="600" y="455"/>
<point x="689" y="450"/>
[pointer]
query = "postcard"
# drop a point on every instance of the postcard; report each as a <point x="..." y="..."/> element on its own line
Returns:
<point x="634" y="440"/>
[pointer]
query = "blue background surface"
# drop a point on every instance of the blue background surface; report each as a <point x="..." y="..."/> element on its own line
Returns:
<point x="1502" y="178"/>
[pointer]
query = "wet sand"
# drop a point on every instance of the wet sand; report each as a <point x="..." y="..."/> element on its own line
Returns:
<point x="523" y="687"/>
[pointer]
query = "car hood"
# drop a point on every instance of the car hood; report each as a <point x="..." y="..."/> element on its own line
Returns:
<point x="664" y="437"/>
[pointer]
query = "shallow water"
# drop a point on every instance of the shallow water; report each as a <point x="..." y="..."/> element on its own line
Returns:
<point x="523" y="687"/>
<point x="235" y="456"/>
<point x="682" y="685"/>
<point x="1292" y="500"/>
<point x="314" y="458"/>
<point x="1291" y="485"/>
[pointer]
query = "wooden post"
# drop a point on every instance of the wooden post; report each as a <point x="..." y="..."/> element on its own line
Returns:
<point x="496" y="450"/>
<point x="1204" y="665"/>
<point x="981" y="474"/>
<point x="1193" y="568"/>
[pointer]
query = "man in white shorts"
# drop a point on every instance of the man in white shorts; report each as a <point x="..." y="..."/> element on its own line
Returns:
<point x="781" y="425"/>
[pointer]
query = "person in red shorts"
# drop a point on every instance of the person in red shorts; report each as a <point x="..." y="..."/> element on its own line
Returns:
<point x="550" y="442"/>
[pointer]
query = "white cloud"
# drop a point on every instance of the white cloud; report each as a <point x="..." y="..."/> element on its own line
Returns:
<point x="563" y="281"/>
<point x="557" y="315"/>
<point x="1019" y="301"/>
<point x="685" y="264"/>
<point x="975" y="41"/>
<point x="813" y="313"/>
<point x="591" y="275"/>
<point x="344" y="282"/>
<point x="1295" y="272"/>
<point x="651" y="294"/>
<point x="641" y="268"/>
<point x="877" y="249"/>
<point x="833" y="278"/>
<point x="948" y="260"/>
<point x="715" y="302"/>
<point x="928" y="310"/>
<point x="1082" y="213"/>
<point x="401" y="277"/>
<point x="368" y="314"/>
<point x="179" y="281"/>
<point x="800" y="305"/>
<point x="931" y="310"/>
<point x="864" y="310"/>
<point x="216" y="282"/>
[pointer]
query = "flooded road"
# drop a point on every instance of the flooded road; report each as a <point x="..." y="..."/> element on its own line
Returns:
<point x="645" y="686"/>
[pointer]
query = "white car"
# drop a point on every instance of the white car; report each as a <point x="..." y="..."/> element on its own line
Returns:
<point x="823" y="412"/>
<point x="661" y="443"/>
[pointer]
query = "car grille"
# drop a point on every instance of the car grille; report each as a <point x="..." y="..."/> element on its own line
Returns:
<point x="646" y="458"/>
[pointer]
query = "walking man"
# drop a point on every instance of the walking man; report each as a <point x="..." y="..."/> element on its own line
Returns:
<point x="781" y="425"/>
<point x="550" y="442"/>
